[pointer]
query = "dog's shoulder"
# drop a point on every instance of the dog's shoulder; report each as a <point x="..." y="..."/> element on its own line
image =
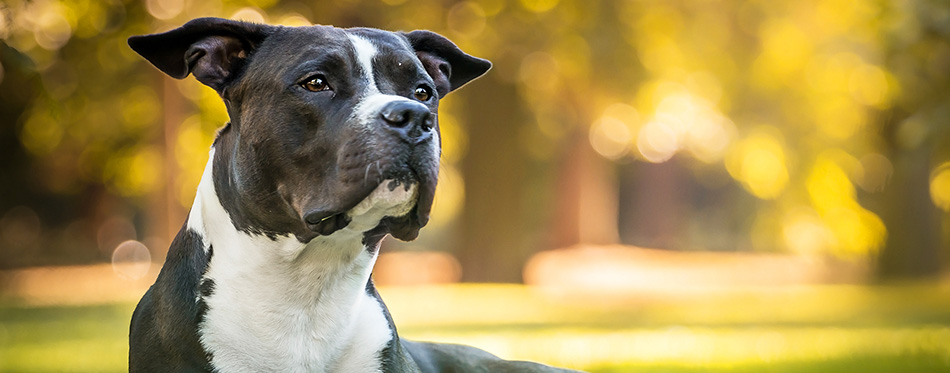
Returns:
<point x="450" y="358"/>
<point x="163" y="332"/>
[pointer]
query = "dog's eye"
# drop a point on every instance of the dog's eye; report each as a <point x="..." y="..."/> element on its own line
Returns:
<point x="316" y="83"/>
<point x="422" y="94"/>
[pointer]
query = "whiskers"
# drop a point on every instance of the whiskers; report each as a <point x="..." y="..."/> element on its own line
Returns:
<point x="379" y="173"/>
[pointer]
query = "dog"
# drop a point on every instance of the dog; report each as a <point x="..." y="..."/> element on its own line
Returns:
<point x="333" y="143"/>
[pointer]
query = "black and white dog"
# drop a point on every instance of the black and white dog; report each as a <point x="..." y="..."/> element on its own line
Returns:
<point x="333" y="143"/>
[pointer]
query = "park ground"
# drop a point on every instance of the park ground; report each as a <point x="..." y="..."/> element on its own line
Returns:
<point x="75" y="319"/>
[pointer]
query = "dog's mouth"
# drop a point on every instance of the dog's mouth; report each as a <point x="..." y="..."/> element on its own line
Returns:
<point x="399" y="207"/>
<point x="325" y="223"/>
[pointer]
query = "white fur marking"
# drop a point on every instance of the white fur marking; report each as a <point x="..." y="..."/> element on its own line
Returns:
<point x="365" y="51"/>
<point x="195" y="216"/>
<point x="280" y="305"/>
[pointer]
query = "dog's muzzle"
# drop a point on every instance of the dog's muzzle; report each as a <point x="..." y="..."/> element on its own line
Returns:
<point x="404" y="156"/>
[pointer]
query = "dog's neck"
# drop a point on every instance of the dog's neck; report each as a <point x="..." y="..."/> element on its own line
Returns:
<point x="278" y="304"/>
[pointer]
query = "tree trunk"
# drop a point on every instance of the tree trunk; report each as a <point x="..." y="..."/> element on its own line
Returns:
<point x="586" y="197"/>
<point x="652" y="204"/>
<point x="912" y="248"/>
<point x="493" y="220"/>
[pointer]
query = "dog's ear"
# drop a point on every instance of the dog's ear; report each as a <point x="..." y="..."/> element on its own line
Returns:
<point x="213" y="49"/>
<point x="445" y="62"/>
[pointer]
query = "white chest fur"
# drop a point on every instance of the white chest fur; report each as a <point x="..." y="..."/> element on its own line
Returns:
<point x="280" y="305"/>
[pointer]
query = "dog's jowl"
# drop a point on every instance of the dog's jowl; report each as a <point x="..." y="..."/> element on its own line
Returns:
<point x="333" y="143"/>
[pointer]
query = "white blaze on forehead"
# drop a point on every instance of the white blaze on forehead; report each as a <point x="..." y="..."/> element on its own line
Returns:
<point x="365" y="51"/>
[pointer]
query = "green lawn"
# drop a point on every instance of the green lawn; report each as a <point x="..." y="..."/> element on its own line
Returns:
<point x="815" y="329"/>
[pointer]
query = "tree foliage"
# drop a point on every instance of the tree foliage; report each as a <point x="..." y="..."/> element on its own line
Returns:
<point x="821" y="124"/>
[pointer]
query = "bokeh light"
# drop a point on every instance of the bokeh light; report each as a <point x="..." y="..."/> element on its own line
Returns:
<point x="165" y="9"/>
<point x="249" y="14"/>
<point x="539" y="5"/>
<point x="131" y="260"/>
<point x="940" y="186"/>
<point x="805" y="233"/>
<point x="610" y="137"/>
<point x="758" y="162"/>
<point x="52" y="29"/>
<point x="466" y="19"/>
<point x="857" y="231"/>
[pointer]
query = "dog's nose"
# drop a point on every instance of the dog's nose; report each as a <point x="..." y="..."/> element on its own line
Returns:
<point x="411" y="120"/>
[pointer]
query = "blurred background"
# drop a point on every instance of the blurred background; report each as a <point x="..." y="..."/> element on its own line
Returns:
<point x="694" y="185"/>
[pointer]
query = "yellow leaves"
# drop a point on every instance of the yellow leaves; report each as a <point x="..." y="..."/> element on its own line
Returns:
<point x="869" y="86"/>
<point x="249" y="14"/>
<point x="842" y="88"/>
<point x="572" y="53"/>
<point x="294" y="20"/>
<point x="856" y="230"/>
<point x="940" y="186"/>
<point x="804" y="232"/>
<point x="139" y="108"/>
<point x="833" y="222"/>
<point x="659" y="20"/>
<point x="135" y="172"/>
<point x="540" y="75"/>
<point x="94" y="20"/>
<point x="786" y="49"/>
<point x="41" y="133"/>
<point x="830" y="73"/>
<point x="681" y="121"/>
<point x="539" y="6"/>
<point x="758" y="163"/>
<point x="684" y="118"/>
<point x="52" y="25"/>
<point x="191" y="155"/>
<point x="659" y="53"/>
<point x="828" y="185"/>
<point x="467" y="19"/>
<point x="859" y="232"/>
<point x="211" y="106"/>
<point x="164" y="9"/>
<point x="837" y="16"/>
<point x="449" y="196"/>
<point x="655" y="32"/>
<point x="453" y="137"/>
<point x="838" y="117"/>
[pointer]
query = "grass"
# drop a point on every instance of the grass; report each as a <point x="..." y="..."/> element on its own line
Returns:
<point x="813" y="329"/>
<point x="64" y="339"/>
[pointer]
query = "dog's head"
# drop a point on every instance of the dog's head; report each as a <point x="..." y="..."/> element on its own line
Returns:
<point x="322" y="119"/>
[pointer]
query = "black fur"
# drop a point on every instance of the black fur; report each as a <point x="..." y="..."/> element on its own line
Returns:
<point x="164" y="330"/>
<point x="213" y="49"/>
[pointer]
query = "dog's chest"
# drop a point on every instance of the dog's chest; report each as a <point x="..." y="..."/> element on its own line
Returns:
<point x="303" y="315"/>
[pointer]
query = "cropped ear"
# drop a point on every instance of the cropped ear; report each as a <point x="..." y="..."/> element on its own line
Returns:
<point x="213" y="49"/>
<point x="445" y="62"/>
